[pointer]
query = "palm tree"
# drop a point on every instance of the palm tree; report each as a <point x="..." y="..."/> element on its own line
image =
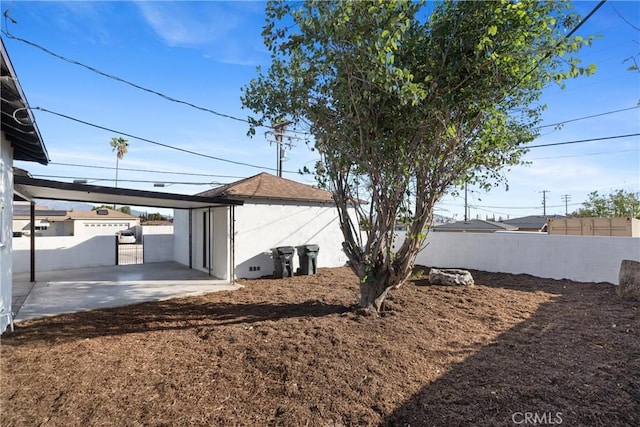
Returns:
<point x="120" y="146"/>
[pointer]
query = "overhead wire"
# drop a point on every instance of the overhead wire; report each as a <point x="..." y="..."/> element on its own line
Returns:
<point x="150" y="141"/>
<point x="147" y="170"/>
<point x="134" y="85"/>
<point x="585" y="154"/>
<point x="214" y="183"/>
<point x="588" y="117"/>
<point x="578" y="141"/>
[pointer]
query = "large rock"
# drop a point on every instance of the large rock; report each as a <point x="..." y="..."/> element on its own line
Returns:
<point x="451" y="277"/>
<point x="629" y="279"/>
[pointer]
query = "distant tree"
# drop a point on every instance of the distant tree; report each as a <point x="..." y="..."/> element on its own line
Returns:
<point x="152" y="217"/>
<point x="402" y="108"/>
<point x="620" y="203"/>
<point x="125" y="209"/>
<point x="121" y="147"/>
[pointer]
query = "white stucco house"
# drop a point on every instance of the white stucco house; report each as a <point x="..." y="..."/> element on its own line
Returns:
<point x="236" y="241"/>
<point x="19" y="140"/>
<point x="97" y="222"/>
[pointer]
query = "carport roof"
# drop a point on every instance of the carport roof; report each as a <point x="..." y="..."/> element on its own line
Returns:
<point x="30" y="188"/>
<point x="18" y="124"/>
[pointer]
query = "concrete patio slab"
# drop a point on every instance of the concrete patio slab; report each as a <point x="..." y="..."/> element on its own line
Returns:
<point x="70" y="291"/>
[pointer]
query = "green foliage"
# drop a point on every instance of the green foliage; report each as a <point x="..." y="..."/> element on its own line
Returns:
<point x="152" y="217"/>
<point x="120" y="146"/>
<point x="619" y="203"/>
<point x="125" y="209"/>
<point x="404" y="108"/>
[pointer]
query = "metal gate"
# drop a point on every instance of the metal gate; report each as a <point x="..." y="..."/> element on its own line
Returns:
<point x="129" y="253"/>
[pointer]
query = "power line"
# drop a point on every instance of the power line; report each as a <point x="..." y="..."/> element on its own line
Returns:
<point x="585" y="155"/>
<point x="111" y="76"/>
<point x="546" y="55"/>
<point x="184" y="150"/>
<point x="148" y="171"/>
<point x="577" y="141"/>
<point x="127" y="82"/>
<point x="589" y="117"/>
<point x="84" y="178"/>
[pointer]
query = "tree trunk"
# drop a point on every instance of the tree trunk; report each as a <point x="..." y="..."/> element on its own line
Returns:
<point x="373" y="291"/>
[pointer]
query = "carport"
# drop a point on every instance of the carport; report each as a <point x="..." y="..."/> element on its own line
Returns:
<point x="27" y="188"/>
<point x="70" y="291"/>
<point x="65" y="291"/>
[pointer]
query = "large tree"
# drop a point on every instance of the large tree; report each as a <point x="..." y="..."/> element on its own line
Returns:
<point x="406" y="100"/>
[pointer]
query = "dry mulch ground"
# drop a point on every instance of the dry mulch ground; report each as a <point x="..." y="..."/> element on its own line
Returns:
<point x="293" y="352"/>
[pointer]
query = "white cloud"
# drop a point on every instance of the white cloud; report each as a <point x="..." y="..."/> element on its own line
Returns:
<point x="192" y="24"/>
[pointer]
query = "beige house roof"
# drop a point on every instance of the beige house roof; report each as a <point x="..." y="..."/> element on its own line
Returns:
<point x="270" y="187"/>
<point x="62" y="215"/>
<point x="111" y="214"/>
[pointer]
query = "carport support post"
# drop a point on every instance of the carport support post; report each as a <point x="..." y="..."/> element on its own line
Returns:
<point x="232" y="243"/>
<point x="190" y="238"/>
<point x="32" y="237"/>
<point x="209" y="238"/>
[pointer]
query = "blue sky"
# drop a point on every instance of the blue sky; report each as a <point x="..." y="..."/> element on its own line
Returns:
<point x="204" y="52"/>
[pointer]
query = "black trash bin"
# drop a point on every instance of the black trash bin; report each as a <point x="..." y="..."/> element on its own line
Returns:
<point x="282" y="261"/>
<point x="308" y="256"/>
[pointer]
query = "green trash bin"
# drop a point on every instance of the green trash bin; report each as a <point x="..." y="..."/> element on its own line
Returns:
<point x="308" y="257"/>
<point x="282" y="261"/>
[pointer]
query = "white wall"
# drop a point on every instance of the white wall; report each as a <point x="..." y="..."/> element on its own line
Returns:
<point x="157" y="229"/>
<point x="258" y="228"/>
<point x="217" y="250"/>
<point x="6" y="215"/>
<point x="63" y="252"/>
<point x="579" y="258"/>
<point x="220" y="244"/>
<point x="261" y="227"/>
<point x="181" y="236"/>
<point x="158" y="248"/>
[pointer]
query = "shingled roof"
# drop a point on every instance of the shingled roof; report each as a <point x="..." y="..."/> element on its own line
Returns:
<point x="269" y="187"/>
<point x="474" y="225"/>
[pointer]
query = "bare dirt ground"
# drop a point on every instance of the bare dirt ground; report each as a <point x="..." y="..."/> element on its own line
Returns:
<point x="293" y="352"/>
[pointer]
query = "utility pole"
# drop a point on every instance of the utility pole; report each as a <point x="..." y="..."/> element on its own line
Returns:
<point x="465" y="202"/>
<point x="544" y="201"/>
<point x="278" y="131"/>
<point x="566" y="198"/>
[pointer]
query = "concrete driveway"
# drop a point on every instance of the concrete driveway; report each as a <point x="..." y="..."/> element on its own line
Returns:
<point x="70" y="291"/>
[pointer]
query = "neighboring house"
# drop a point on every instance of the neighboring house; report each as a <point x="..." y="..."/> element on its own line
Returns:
<point x="532" y="222"/>
<point x="19" y="140"/>
<point x="97" y="222"/>
<point x="276" y="212"/>
<point x="474" y="226"/>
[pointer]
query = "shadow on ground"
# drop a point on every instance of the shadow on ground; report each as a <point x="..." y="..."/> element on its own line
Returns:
<point x="173" y="314"/>
<point x="549" y="369"/>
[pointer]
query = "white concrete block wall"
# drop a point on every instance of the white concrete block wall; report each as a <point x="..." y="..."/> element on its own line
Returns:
<point x="59" y="253"/>
<point x="157" y="229"/>
<point x="6" y="215"/>
<point x="579" y="258"/>
<point x="158" y="248"/>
